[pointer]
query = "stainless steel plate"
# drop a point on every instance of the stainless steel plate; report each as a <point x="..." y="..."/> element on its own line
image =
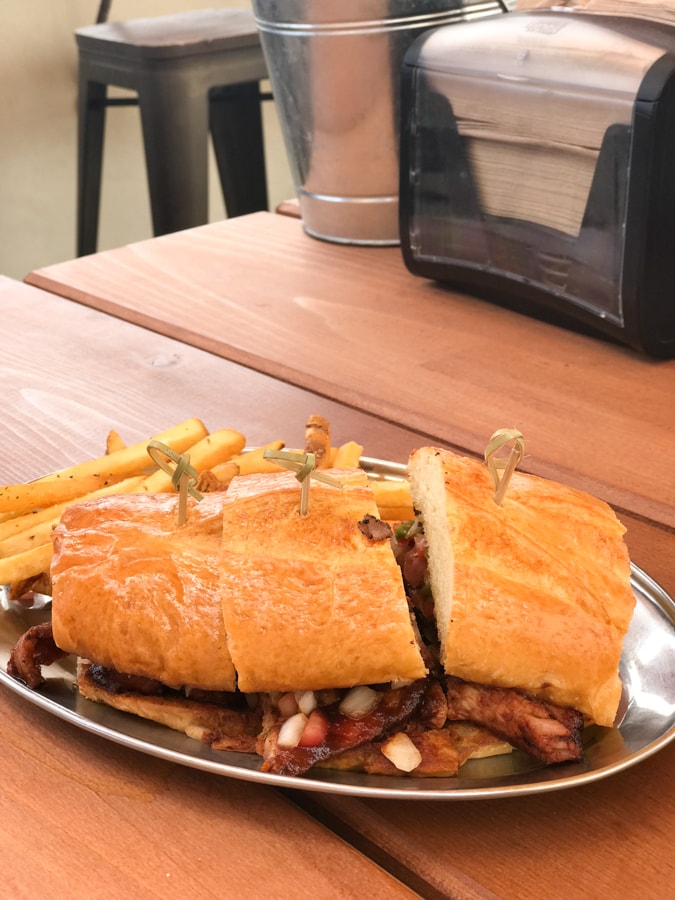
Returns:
<point x="648" y="724"/>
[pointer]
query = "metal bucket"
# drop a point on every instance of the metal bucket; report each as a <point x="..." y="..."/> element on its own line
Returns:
<point x="334" y="67"/>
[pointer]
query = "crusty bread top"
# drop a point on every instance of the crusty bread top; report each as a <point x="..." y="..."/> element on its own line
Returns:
<point x="310" y="602"/>
<point x="533" y="593"/>
<point x="134" y="592"/>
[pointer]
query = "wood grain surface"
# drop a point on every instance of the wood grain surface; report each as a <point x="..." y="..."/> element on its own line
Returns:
<point x="85" y="818"/>
<point x="68" y="374"/>
<point x="352" y="324"/>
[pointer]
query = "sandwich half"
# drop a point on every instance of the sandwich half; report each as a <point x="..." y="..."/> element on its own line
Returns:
<point x="531" y="600"/>
<point x="313" y="601"/>
<point x="319" y="626"/>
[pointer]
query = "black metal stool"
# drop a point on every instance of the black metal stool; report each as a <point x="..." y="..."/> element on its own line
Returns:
<point x="193" y="73"/>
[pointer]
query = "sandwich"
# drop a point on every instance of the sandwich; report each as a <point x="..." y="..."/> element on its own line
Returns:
<point x="334" y="639"/>
<point x="217" y="627"/>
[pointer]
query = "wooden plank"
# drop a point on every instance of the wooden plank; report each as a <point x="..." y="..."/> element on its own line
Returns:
<point x="83" y="817"/>
<point x="608" y="839"/>
<point x="352" y="324"/>
<point x="69" y="374"/>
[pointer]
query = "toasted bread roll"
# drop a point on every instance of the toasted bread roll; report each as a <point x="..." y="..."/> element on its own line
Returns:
<point x="311" y="602"/>
<point x="134" y="592"/>
<point x="532" y="594"/>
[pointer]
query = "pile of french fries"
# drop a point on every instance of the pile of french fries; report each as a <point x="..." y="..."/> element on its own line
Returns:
<point x="29" y="511"/>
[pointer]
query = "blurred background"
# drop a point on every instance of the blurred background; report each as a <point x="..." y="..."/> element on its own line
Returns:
<point x="38" y="136"/>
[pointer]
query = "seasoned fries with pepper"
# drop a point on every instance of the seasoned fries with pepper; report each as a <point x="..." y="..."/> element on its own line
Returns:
<point x="29" y="511"/>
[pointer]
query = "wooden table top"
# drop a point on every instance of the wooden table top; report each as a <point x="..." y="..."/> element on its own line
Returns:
<point x="73" y="373"/>
<point x="352" y="324"/>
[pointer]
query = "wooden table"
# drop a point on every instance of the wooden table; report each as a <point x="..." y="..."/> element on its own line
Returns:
<point x="377" y="347"/>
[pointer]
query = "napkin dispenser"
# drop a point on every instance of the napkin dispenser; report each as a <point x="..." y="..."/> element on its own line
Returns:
<point x="538" y="168"/>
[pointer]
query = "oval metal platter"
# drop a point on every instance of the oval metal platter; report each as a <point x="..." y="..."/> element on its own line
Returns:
<point x="647" y="725"/>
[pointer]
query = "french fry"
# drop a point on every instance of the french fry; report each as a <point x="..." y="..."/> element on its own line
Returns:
<point x="225" y="472"/>
<point x="21" y="498"/>
<point x="347" y="456"/>
<point x="26" y="540"/>
<point x="29" y="520"/>
<point x="12" y="527"/>
<point x="208" y="452"/>
<point x="253" y="462"/>
<point x="113" y="442"/>
<point x="7" y="516"/>
<point x="395" y="513"/>
<point x="133" y="460"/>
<point x="27" y="564"/>
<point x="42" y="521"/>
<point x="393" y="500"/>
<point x="317" y="440"/>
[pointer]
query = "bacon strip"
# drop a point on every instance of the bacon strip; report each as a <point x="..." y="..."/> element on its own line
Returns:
<point x="34" y="648"/>
<point x="549" y="733"/>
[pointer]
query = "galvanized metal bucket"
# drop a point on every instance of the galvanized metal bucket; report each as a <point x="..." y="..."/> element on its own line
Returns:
<point x="334" y="67"/>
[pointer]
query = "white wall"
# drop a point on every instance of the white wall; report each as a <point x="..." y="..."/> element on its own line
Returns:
<point x="38" y="136"/>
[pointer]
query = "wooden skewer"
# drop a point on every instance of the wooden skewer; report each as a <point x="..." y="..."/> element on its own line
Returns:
<point x="502" y="470"/>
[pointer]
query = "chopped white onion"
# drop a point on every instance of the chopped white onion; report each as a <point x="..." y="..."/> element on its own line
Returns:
<point x="291" y="731"/>
<point x="401" y="751"/>
<point x="359" y="701"/>
<point x="306" y="701"/>
<point x="404" y="682"/>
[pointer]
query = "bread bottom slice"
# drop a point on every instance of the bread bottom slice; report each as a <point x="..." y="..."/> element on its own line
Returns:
<point x="210" y="723"/>
<point x="443" y="751"/>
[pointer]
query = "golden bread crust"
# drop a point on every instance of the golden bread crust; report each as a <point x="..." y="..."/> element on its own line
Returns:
<point x="135" y="593"/>
<point x="310" y="602"/>
<point x="533" y="593"/>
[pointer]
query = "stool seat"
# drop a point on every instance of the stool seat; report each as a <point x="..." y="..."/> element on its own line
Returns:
<point x="194" y="74"/>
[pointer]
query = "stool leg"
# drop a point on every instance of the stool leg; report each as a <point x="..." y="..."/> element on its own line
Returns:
<point x="174" y="119"/>
<point x="91" y="105"/>
<point x="237" y="132"/>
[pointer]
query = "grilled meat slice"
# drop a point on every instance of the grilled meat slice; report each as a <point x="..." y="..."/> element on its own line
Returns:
<point x="549" y="733"/>
<point x="35" y="648"/>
